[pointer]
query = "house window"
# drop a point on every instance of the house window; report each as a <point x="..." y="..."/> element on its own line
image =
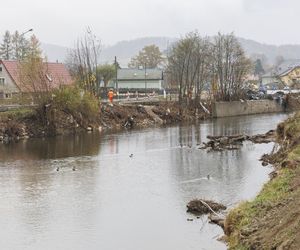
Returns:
<point x="2" y="81"/>
<point x="8" y="96"/>
<point x="0" y="69"/>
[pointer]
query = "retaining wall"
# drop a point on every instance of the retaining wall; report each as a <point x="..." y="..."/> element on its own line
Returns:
<point x="236" y="108"/>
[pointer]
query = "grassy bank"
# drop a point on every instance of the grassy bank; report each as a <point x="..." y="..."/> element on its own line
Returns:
<point x="272" y="219"/>
<point x="17" y="114"/>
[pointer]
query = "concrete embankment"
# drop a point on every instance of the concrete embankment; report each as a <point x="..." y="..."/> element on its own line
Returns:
<point x="245" y="107"/>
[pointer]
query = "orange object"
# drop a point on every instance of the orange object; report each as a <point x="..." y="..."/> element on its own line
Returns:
<point x="110" y="95"/>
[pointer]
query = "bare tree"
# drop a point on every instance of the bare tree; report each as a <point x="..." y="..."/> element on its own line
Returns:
<point x="189" y="64"/>
<point x="230" y="66"/>
<point x="220" y="63"/>
<point x="33" y="75"/>
<point x="83" y="61"/>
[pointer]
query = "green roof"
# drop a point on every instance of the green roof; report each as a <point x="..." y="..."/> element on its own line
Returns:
<point x="139" y="74"/>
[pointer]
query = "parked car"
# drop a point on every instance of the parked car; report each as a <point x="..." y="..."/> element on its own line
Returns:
<point x="252" y="95"/>
<point x="262" y="89"/>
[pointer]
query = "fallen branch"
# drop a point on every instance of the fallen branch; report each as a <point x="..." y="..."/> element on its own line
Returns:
<point x="233" y="142"/>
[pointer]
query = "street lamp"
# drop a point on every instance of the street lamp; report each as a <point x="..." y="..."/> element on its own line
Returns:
<point x="145" y="78"/>
<point x="20" y="37"/>
<point x="26" y="32"/>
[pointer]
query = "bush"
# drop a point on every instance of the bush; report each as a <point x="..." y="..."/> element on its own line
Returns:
<point x="74" y="100"/>
<point x="67" y="98"/>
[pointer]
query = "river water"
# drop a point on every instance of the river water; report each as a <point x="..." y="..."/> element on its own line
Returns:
<point x="117" y="202"/>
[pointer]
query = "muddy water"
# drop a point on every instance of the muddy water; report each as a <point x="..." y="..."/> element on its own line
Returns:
<point x="116" y="202"/>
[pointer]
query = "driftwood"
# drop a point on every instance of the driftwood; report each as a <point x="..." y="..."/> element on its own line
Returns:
<point x="233" y="142"/>
<point x="200" y="207"/>
<point x="216" y="219"/>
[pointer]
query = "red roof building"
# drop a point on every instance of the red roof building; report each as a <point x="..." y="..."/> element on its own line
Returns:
<point x="54" y="75"/>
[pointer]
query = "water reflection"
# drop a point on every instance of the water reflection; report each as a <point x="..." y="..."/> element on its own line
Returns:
<point x="49" y="148"/>
<point x="113" y="201"/>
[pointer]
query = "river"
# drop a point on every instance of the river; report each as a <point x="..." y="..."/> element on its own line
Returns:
<point x="116" y="202"/>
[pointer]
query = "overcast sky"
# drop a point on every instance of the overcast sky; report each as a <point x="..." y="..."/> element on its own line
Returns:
<point x="61" y="21"/>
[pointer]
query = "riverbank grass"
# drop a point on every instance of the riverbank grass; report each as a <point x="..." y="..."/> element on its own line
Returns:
<point x="16" y="114"/>
<point x="247" y="213"/>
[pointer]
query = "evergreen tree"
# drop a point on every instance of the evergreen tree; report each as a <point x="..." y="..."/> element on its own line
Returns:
<point x="16" y="46"/>
<point x="24" y="48"/>
<point x="258" y="69"/>
<point x="5" y="46"/>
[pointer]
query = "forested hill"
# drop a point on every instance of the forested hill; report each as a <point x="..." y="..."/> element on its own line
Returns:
<point x="124" y="50"/>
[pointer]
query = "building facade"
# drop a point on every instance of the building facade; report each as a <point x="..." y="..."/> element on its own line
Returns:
<point x="138" y="79"/>
<point x="56" y="75"/>
<point x="291" y="77"/>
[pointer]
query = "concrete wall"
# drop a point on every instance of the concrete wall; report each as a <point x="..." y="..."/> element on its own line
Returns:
<point x="224" y="109"/>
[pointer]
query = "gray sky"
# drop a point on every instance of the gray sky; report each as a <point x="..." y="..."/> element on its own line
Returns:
<point x="61" y="22"/>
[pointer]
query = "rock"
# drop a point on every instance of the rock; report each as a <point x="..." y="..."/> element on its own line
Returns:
<point x="89" y="128"/>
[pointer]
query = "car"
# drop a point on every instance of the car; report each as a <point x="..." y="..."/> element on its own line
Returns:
<point x="262" y="89"/>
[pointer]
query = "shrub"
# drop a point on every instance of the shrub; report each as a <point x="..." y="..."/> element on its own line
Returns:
<point x="74" y="101"/>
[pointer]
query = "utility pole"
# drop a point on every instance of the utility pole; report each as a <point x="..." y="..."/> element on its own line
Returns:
<point x="145" y="78"/>
<point x="117" y="85"/>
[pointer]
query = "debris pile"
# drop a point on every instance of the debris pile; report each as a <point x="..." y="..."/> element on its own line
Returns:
<point x="234" y="142"/>
<point x="200" y="207"/>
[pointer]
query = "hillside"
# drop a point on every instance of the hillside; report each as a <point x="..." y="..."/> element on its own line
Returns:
<point x="270" y="51"/>
<point x="124" y="50"/>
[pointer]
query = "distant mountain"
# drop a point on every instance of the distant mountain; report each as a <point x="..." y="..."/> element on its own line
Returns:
<point x="54" y="52"/>
<point x="270" y="51"/>
<point x="125" y="50"/>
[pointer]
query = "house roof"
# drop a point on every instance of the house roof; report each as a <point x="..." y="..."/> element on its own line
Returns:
<point x="55" y="73"/>
<point x="139" y="74"/>
<point x="287" y="66"/>
<point x="289" y="70"/>
<point x="284" y="68"/>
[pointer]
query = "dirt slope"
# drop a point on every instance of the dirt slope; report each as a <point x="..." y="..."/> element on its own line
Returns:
<point x="272" y="219"/>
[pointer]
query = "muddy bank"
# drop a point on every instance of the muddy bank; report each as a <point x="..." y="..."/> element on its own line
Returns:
<point x="51" y="121"/>
<point x="272" y="219"/>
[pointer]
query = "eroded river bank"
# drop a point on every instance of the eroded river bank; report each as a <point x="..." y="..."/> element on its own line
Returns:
<point x="114" y="201"/>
